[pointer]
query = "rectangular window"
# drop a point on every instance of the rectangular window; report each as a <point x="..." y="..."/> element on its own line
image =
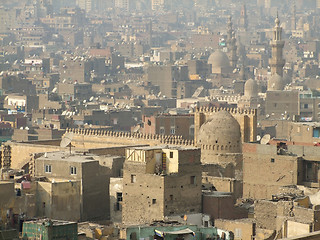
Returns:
<point x="316" y="132"/>
<point x="172" y="130"/>
<point x="154" y="201"/>
<point x="272" y="160"/>
<point x="162" y="132"/>
<point x="47" y="168"/>
<point x="193" y="180"/>
<point x="133" y="178"/>
<point x="118" y="206"/>
<point x="119" y="196"/>
<point x="73" y="170"/>
<point x="171" y="154"/>
<point x="238" y="233"/>
<point x="171" y="197"/>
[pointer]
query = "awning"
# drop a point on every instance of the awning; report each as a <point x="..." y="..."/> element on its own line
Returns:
<point x="178" y="232"/>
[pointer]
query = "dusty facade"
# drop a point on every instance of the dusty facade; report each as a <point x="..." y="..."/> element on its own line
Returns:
<point x="91" y="177"/>
<point x="159" y="182"/>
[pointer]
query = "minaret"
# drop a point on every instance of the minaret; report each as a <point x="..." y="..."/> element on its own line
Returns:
<point x="293" y="18"/>
<point x="232" y="47"/>
<point x="149" y="31"/>
<point x="243" y="18"/>
<point x="277" y="62"/>
<point x="229" y="32"/>
<point x="233" y="51"/>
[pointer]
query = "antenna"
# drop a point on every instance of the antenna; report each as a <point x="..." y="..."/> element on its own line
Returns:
<point x="265" y="139"/>
<point x="66" y="140"/>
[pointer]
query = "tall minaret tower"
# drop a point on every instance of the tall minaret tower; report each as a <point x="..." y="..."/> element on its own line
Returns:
<point x="232" y="47"/>
<point x="293" y="18"/>
<point x="277" y="62"/>
<point x="243" y="18"/>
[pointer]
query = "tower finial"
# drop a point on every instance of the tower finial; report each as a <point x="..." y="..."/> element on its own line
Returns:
<point x="277" y="20"/>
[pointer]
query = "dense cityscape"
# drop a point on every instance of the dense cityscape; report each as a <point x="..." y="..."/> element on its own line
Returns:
<point x="160" y="119"/>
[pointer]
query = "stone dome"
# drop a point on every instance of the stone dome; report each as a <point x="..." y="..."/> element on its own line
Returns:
<point x="275" y="83"/>
<point x="251" y="88"/>
<point x="219" y="61"/>
<point x="220" y="134"/>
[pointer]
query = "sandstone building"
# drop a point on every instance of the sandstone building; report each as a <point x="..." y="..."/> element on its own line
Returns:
<point x="160" y="182"/>
<point x="77" y="182"/>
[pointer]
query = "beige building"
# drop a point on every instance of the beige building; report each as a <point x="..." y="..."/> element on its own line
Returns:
<point x="160" y="182"/>
<point x="157" y="4"/>
<point x="76" y="182"/>
<point x="282" y="104"/>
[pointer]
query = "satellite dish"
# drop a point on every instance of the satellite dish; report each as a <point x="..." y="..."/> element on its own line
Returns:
<point x="265" y="139"/>
<point x="258" y="138"/>
<point x="66" y="140"/>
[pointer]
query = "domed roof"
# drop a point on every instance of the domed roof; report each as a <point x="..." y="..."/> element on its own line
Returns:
<point x="251" y="88"/>
<point x="220" y="134"/>
<point x="275" y="83"/>
<point x="219" y="59"/>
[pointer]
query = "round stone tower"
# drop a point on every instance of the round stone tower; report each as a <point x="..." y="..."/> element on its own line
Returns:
<point x="219" y="135"/>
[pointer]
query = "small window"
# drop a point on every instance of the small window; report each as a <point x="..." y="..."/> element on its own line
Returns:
<point x="154" y="201"/>
<point x="193" y="180"/>
<point x="73" y="170"/>
<point x="272" y="160"/>
<point x="171" y="154"/>
<point x="119" y="196"/>
<point x="162" y="132"/>
<point x="171" y="197"/>
<point x="133" y="178"/>
<point x="47" y="168"/>
<point x="172" y="130"/>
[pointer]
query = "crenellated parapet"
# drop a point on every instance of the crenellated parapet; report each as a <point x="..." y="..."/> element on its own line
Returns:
<point x="126" y="138"/>
<point x="230" y="110"/>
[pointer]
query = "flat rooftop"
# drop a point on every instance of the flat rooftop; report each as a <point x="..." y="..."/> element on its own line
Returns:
<point x="159" y="147"/>
<point x="46" y="220"/>
<point x="66" y="156"/>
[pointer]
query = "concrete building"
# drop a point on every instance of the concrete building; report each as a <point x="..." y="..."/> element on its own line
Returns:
<point x="282" y="104"/>
<point x="167" y="78"/>
<point x="77" y="182"/>
<point x="160" y="182"/>
<point x="263" y="173"/>
<point x="72" y="91"/>
<point x="21" y="103"/>
<point x="50" y="229"/>
<point x="167" y="124"/>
